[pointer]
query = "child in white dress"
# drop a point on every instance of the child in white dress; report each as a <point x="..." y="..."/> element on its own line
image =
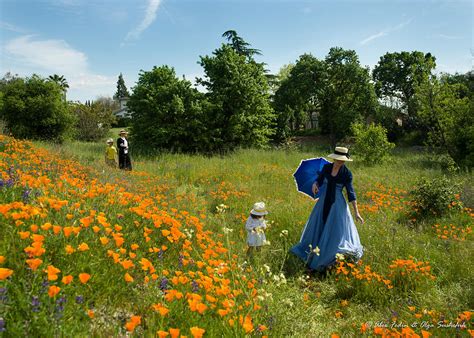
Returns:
<point x="255" y="227"/>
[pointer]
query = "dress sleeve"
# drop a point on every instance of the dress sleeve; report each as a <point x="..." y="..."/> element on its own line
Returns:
<point x="351" y="196"/>
<point x="249" y="225"/>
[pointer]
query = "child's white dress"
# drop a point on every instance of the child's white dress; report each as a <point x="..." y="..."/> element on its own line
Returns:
<point x="255" y="231"/>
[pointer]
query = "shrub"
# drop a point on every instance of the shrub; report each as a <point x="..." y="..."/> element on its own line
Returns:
<point x="35" y="108"/>
<point x="435" y="197"/>
<point x="93" y="120"/>
<point x="371" y="142"/>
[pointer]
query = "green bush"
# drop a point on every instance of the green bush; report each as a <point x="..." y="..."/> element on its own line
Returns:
<point x="35" y="108"/>
<point x="435" y="197"/>
<point x="371" y="143"/>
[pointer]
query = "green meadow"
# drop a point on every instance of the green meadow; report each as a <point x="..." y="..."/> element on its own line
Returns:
<point x="299" y="303"/>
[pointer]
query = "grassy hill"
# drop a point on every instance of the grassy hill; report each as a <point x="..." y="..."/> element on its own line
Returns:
<point x="162" y="248"/>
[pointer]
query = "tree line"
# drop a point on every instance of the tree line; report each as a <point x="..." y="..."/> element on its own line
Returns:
<point x="242" y="105"/>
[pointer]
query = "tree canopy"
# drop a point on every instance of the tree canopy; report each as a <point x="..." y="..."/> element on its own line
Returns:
<point x="122" y="90"/>
<point x="34" y="107"/>
<point x="237" y="89"/>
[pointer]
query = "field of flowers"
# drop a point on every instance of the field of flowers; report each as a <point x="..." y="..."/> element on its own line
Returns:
<point x="160" y="251"/>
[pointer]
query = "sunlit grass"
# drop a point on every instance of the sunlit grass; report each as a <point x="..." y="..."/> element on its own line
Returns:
<point x="179" y="187"/>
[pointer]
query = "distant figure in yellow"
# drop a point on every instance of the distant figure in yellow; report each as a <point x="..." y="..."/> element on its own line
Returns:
<point x="111" y="154"/>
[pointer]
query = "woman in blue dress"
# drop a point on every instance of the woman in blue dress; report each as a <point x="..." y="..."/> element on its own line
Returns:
<point x="330" y="229"/>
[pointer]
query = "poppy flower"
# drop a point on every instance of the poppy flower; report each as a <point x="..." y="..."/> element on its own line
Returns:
<point x="84" y="277"/>
<point x="5" y="273"/>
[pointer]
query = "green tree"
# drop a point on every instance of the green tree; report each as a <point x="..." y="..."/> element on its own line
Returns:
<point x="61" y="81"/>
<point x="93" y="119"/>
<point x="238" y="92"/>
<point x="122" y="90"/>
<point x="33" y="107"/>
<point x="168" y="113"/>
<point x="396" y="75"/>
<point x="240" y="45"/>
<point x="347" y="96"/>
<point x="446" y="112"/>
<point x="299" y="95"/>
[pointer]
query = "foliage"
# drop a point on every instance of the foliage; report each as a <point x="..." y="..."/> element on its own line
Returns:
<point x="396" y="76"/>
<point x="94" y="120"/>
<point x="33" y="107"/>
<point x="122" y="90"/>
<point x="168" y="113"/>
<point x="337" y="88"/>
<point x="61" y="81"/>
<point x="435" y="197"/>
<point x="371" y="143"/>
<point x="446" y="112"/>
<point x="241" y="46"/>
<point x="298" y="95"/>
<point x="348" y="94"/>
<point x="237" y="90"/>
<point x="275" y="80"/>
<point x="185" y="186"/>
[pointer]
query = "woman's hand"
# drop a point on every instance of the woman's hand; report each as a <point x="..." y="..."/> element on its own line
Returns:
<point x="359" y="218"/>
<point x="315" y="188"/>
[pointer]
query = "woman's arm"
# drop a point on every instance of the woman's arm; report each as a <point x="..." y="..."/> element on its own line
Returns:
<point x="356" y="211"/>
<point x="351" y="196"/>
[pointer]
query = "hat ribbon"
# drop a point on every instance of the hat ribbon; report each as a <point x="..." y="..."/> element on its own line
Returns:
<point x="341" y="153"/>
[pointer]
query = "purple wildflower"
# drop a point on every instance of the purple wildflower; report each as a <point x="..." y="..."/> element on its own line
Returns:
<point x="2" y="325"/>
<point x="79" y="299"/>
<point x="35" y="304"/>
<point x="3" y="295"/>
<point x="164" y="284"/>
<point x="26" y="195"/>
<point x="195" y="286"/>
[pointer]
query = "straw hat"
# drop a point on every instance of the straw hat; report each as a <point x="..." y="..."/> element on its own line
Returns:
<point x="341" y="154"/>
<point x="259" y="209"/>
<point x="123" y="131"/>
<point x="110" y="141"/>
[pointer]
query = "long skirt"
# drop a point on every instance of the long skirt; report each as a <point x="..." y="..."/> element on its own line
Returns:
<point x="338" y="235"/>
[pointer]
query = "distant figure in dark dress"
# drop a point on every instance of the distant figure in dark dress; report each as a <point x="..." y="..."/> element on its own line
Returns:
<point x="123" y="146"/>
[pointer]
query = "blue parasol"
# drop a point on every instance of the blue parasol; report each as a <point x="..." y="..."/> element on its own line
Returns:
<point x="307" y="173"/>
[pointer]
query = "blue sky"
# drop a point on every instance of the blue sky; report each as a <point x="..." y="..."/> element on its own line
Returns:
<point x="91" y="41"/>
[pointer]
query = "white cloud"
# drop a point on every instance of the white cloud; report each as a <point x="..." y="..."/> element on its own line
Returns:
<point x="9" y="27"/>
<point x="448" y="37"/>
<point x="52" y="55"/>
<point x="27" y="54"/>
<point x="150" y="16"/>
<point x="384" y="32"/>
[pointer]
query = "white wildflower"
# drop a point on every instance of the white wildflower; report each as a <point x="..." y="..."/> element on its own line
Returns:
<point x="316" y="251"/>
<point x="227" y="230"/>
<point x="284" y="233"/>
<point x="339" y="257"/>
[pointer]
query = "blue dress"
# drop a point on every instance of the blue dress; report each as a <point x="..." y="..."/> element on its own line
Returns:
<point x="330" y="226"/>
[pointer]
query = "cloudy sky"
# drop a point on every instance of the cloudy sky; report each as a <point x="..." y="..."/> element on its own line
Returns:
<point x="91" y="41"/>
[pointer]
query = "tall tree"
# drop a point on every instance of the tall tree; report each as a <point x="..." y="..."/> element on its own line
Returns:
<point x="338" y="89"/>
<point x="61" y="81"/>
<point x="447" y="113"/>
<point x="240" y="45"/>
<point x="168" y="113"/>
<point x="299" y="94"/>
<point x="122" y="90"/>
<point x="348" y="95"/>
<point x="396" y="75"/>
<point x="238" y="90"/>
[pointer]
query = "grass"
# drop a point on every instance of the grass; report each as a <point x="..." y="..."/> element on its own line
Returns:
<point x="293" y="304"/>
